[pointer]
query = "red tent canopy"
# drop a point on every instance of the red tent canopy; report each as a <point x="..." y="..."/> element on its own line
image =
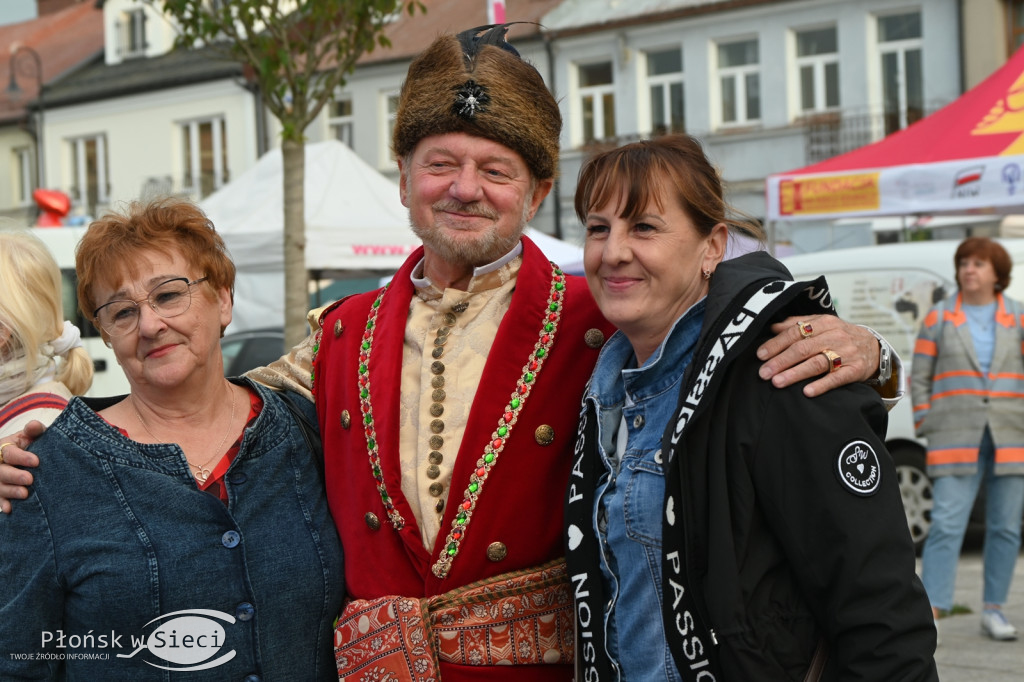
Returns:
<point x="968" y="156"/>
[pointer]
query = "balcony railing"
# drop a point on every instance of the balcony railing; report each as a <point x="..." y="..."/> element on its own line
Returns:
<point x="834" y="133"/>
<point x="185" y="186"/>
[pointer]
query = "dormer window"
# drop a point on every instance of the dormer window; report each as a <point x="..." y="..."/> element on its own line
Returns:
<point x="131" y="33"/>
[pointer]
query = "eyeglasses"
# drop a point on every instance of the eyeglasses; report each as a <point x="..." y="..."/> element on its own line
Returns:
<point x="168" y="299"/>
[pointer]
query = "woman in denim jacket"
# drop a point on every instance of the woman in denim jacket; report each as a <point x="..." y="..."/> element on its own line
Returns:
<point x="719" y="529"/>
<point x="182" y="527"/>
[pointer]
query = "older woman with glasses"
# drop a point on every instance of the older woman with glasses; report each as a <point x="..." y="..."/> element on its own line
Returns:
<point x="182" y="527"/>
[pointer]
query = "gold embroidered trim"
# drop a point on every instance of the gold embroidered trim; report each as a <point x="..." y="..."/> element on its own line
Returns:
<point x="500" y="436"/>
<point x="397" y="522"/>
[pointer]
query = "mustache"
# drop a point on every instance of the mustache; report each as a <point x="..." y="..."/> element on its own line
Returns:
<point x="475" y="208"/>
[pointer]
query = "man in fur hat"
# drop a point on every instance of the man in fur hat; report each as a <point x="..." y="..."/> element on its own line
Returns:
<point x="448" y="400"/>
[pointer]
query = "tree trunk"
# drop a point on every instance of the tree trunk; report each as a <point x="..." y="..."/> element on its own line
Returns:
<point x="296" y="284"/>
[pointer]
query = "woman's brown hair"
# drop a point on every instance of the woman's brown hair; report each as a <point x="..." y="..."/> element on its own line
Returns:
<point x="985" y="249"/>
<point x="640" y="166"/>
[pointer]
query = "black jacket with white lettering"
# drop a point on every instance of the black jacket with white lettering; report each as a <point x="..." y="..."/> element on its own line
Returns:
<point x="789" y="516"/>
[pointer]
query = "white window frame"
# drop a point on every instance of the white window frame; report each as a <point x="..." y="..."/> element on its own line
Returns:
<point x="133" y="30"/>
<point x="739" y="75"/>
<point x="900" y="48"/>
<point x="22" y="175"/>
<point x="192" y="165"/>
<point x="342" y="127"/>
<point x="596" y="95"/>
<point x="818" y="63"/>
<point x="388" y="102"/>
<point x="79" y="171"/>
<point x="665" y="81"/>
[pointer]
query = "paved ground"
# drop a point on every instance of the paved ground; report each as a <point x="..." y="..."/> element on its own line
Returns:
<point x="965" y="655"/>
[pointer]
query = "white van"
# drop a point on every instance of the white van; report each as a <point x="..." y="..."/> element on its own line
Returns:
<point x="108" y="378"/>
<point x="891" y="288"/>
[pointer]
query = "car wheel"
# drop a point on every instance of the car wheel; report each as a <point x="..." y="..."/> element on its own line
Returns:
<point x="916" y="491"/>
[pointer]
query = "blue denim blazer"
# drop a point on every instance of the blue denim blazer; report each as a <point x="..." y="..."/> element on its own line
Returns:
<point x="116" y="551"/>
<point x="631" y="491"/>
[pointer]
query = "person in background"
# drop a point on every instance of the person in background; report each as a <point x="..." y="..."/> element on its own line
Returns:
<point x="42" y="362"/>
<point x="765" y="528"/>
<point x="967" y="386"/>
<point x="476" y="352"/>
<point x="188" y="515"/>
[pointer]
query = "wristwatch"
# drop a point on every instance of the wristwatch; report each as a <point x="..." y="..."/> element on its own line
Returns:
<point x="884" y="360"/>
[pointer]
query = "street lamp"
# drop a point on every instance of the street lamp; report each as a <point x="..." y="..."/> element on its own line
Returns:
<point x="15" y="92"/>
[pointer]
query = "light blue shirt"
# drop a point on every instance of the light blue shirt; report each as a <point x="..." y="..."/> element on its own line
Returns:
<point x="631" y="492"/>
<point x="981" y="320"/>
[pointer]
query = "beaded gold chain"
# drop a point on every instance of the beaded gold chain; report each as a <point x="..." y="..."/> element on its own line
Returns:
<point x="370" y="431"/>
<point x="499" y="438"/>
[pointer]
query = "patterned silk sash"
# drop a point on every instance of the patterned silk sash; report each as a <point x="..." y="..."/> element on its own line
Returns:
<point x="520" y="618"/>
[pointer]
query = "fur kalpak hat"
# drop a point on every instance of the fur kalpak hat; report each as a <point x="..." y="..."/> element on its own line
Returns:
<point x="476" y="83"/>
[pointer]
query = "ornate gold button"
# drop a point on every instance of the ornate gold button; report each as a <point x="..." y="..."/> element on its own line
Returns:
<point x="435" y="489"/>
<point x="440" y="340"/>
<point x="438" y="395"/>
<point x="346" y="419"/>
<point x="437" y="367"/>
<point x="435" y="457"/>
<point x="449" y="319"/>
<point x="436" y="409"/>
<point x="594" y="338"/>
<point x="437" y="426"/>
<point x="439" y="507"/>
<point x="338" y="328"/>
<point x="544" y="435"/>
<point x="460" y="307"/>
<point x="436" y="442"/>
<point x="497" y="551"/>
<point x="437" y="353"/>
<point x="372" y="522"/>
<point x="444" y="331"/>
<point x="437" y="382"/>
<point x="433" y="471"/>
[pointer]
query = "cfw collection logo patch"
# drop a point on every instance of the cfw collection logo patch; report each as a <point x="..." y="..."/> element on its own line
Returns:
<point x="858" y="468"/>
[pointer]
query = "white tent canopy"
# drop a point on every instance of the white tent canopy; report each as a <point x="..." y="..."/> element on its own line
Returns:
<point x="569" y="256"/>
<point x="354" y="216"/>
<point x="355" y="222"/>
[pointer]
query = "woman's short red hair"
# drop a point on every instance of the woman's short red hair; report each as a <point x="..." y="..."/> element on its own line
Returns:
<point x="110" y="249"/>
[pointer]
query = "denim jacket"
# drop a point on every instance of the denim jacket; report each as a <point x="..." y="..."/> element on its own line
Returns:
<point x="632" y="489"/>
<point x="117" y="567"/>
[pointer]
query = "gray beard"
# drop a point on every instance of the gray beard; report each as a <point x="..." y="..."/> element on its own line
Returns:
<point x="481" y="250"/>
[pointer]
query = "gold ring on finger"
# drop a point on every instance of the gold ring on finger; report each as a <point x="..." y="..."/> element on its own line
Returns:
<point x="2" y="446"/>
<point x="834" y="359"/>
<point x="805" y="328"/>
